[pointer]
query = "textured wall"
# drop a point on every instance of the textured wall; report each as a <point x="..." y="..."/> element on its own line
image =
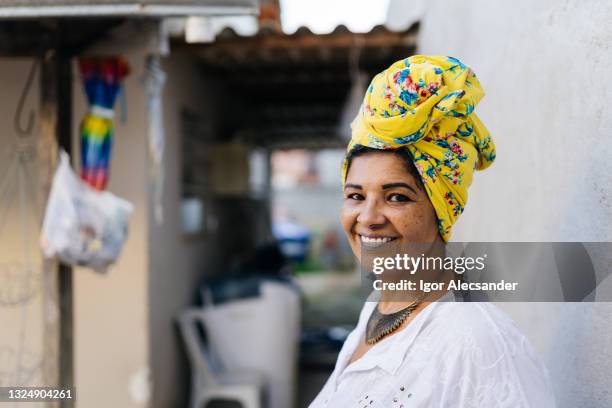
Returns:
<point x="546" y="68"/>
<point x="23" y="292"/>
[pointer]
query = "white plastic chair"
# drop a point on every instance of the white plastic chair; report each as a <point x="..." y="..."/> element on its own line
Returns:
<point x="208" y="383"/>
<point x="259" y="334"/>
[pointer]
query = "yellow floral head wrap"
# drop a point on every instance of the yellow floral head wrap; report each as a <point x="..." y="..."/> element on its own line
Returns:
<point x="426" y="105"/>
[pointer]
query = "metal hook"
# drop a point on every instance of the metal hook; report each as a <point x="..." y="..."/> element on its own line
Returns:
<point x="27" y="130"/>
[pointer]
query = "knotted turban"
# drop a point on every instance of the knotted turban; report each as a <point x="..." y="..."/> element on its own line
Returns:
<point x="426" y="105"/>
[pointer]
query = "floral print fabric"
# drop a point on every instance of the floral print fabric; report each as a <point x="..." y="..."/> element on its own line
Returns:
<point x="426" y="105"/>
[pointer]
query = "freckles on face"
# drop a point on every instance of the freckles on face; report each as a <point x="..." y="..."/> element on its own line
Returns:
<point x="383" y="200"/>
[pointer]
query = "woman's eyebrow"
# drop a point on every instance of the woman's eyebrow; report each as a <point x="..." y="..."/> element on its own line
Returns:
<point x="356" y="186"/>
<point x="400" y="184"/>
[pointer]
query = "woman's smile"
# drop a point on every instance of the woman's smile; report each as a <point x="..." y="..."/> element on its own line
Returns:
<point x="374" y="241"/>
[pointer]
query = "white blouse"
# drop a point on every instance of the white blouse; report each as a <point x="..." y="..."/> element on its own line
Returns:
<point x="452" y="354"/>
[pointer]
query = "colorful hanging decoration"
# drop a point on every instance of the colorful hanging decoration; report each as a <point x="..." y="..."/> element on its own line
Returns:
<point x="102" y="79"/>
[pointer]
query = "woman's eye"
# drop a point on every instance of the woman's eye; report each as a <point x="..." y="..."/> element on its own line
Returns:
<point x="354" y="196"/>
<point x="399" y="198"/>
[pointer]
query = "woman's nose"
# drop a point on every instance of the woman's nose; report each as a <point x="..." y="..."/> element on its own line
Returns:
<point x="370" y="214"/>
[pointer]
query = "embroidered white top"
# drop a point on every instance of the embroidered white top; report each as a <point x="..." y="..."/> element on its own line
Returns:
<point x="452" y="354"/>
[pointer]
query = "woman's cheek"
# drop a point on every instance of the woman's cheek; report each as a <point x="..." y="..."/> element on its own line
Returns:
<point x="348" y="215"/>
<point x="428" y="226"/>
<point x="412" y="224"/>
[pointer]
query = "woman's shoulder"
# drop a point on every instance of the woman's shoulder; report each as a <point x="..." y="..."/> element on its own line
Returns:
<point x="485" y="322"/>
<point x="482" y="349"/>
<point x="483" y="330"/>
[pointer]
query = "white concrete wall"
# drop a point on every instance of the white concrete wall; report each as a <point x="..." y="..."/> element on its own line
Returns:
<point x="545" y="66"/>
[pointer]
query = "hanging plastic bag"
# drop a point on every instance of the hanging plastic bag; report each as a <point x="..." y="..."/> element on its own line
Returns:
<point x="83" y="226"/>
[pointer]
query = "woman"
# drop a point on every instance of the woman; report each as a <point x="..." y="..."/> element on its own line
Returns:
<point x="415" y="145"/>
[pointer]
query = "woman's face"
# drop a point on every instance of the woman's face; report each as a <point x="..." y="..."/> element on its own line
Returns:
<point x="384" y="202"/>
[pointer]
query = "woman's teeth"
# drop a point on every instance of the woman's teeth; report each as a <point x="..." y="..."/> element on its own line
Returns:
<point x="379" y="240"/>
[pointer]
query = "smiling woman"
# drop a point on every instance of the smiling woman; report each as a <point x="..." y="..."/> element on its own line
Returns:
<point x="415" y="145"/>
<point x="395" y="193"/>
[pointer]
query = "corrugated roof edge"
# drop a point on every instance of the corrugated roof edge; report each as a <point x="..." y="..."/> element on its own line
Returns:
<point x="228" y="33"/>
